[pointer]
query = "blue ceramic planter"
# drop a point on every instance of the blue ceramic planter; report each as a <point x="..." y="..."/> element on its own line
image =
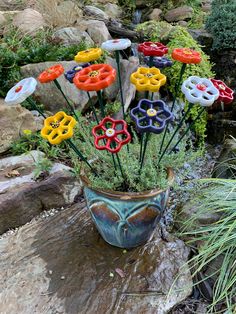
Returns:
<point x="124" y="219"/>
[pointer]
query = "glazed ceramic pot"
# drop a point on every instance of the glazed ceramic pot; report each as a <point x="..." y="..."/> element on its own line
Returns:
<point x="125" y="219"/>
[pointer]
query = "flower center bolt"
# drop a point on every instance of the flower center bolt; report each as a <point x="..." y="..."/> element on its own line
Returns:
<point x="153" y="45"/>
<point x="94" y="73"/>
<point x="201" y="87"/>
<point x="187" y="51"/>
<point x="110" y="132"/>
<point x="151" y="112"/>
<point x="18" y="89"/>
<point x="149" y="75"/>
<point x="221" y="86"/>
<point x="55" y="124"/>
<point x="116" y="41"/>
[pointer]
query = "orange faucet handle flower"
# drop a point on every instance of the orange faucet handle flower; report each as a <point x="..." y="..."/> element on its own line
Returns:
<point x="95" y="77"/>
<point x="51" y="73"/>
<point x="148" y="79"/>
<point x="88" y="55"/>
<point x="186" y="55"/>
<point x="58" y="128"/>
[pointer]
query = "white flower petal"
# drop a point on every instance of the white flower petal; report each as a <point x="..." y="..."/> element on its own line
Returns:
<point x="27" y="85"/>
<point x="116" y="44"/>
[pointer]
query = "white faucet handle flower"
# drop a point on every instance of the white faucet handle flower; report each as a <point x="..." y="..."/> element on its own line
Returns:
<point x="200" y="90"/>
<point x="22" y="90"/>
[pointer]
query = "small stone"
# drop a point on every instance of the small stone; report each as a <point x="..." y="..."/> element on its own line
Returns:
<point x="50" y="272"/>
<point x="179" y="14"/>
<point x="155" y="15"/>
<point x="111" y="275"/>
<point x="63" y="277"/>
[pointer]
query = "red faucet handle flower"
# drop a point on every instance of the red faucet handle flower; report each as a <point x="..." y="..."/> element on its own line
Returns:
<point x="154" y="49"/>
<point x="226" y="93"/>
<point x="111" y="135"/>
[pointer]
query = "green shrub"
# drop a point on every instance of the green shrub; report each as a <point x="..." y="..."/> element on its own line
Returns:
<point x="16" y="51"/>
<point x="221" y="23"/>
<point x="177" y="36"/>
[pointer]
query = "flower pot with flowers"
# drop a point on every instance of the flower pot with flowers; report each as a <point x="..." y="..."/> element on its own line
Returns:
<point x="127" y="167"/>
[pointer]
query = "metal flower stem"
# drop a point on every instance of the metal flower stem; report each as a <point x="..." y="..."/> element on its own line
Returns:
<point x="93" y="108"/>
<point x="175" y="132"/>
<point x="150" y="61"/>
<point x="101" y="103"/>
<point x="119" y="164"/>
<point x="72" y="145"/>
<point x="152" y="96"/>
<point x="141" y="147"/>
<point x="189" y="127"/>
<point x="120" y="82"/>
<point x="72" y="110"/>
<point x="33" y="104"/>
<point x="146" y="94"/>
<point x="174" y="100"/>
<point x="144" y="151"/>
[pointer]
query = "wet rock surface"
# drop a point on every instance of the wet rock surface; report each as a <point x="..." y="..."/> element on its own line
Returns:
<point x="62" y="265"/>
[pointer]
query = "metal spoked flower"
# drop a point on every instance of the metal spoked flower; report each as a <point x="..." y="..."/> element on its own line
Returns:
<point x="226" y="94"/>
<point x="111" y="135"/>
<point x="200" y="91"/>
<point x="21" y="91"/>
<point x="58" y="128"/>
<point x="159" y="62"/>
<point x="69" y="75"/>
<point x="116" y="44"/>
<point x="95" y="77"/>
<point x="148" y="79"/>
<point x="186" y="55"/>
<point x="154" y="49"/>
<point x="151" y="116"/>
<point x="88" y="55"/>
<point x="51" y="74"/>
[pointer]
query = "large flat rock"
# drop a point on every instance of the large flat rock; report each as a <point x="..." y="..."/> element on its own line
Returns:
<point x="61" y="265"/>
<point x="22" y="197"/>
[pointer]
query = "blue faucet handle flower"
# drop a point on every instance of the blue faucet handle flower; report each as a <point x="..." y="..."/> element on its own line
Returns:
<point x="151" y="116"/>
<point x="200" y="91"/>
<point x="22" y="90"/>
<point x="69" y="75"/>
<point x="159" y="62"/>
<point x="116" y="44"/>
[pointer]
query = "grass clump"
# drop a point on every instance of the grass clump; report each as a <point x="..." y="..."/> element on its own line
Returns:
<point x="215" y="241"/>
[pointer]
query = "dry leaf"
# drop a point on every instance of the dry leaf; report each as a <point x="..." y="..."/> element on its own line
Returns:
<point x="120" y="272"/>
<point x="12" y="174"/>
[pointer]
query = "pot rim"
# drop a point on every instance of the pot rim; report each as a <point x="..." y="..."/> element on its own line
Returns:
<point x="129" y="195"/>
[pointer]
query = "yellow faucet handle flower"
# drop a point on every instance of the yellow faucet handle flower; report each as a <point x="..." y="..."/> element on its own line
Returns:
<point x="88" y="55"/>
<point x="148" y="79"/>
<point x="58" y="128"/>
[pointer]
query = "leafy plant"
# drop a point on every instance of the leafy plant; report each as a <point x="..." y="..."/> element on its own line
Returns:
<point x="16" y="51"/>
<point x="152" y="174"/>
<point x="42" y="168"/>
<point x="216" y="240"/>
<point x="31" y="141"/>
<point x="179" y="37"/>
<point x="221" y="23"/>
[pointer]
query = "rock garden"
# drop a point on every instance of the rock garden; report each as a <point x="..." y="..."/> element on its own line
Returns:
<point x="117" y="157"/>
